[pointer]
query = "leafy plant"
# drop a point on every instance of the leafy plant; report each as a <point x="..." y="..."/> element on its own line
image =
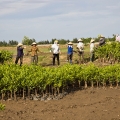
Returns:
<point x="22" y="81"/>
<point x="5" y="56"/>
<point x="2" y="106"/>
<point x="108" y="52"/>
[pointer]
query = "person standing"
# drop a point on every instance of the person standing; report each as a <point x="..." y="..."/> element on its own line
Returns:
<point x="56" y="51"/>
<point x="70" y="52"/>
<point x="117" y="38"/>
<point x="101" y="40"/>
<point x="19" y="54"/>
<point x="92" y="52"/>
<point x="34" y="53"/>
<point x="80" y="49"/>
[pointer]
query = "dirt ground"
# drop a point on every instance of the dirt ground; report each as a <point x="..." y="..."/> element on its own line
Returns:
<point x="89" y="104"/>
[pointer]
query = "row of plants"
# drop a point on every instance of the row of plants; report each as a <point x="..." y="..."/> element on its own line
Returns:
<point x="110" y="52"/>
<point x="17" y="81"/>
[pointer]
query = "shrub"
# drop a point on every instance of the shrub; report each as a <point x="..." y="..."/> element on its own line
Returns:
<point x="5" y="56"/>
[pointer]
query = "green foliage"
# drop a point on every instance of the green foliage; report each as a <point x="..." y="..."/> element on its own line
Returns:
<point x="60" y="41"/>
<point x="2" y="106"/>
<point x="5" y="55"/>
<point x="27" y="41"/>
<point x="86" y="40"/>
<point x="13" y="77"/>
<point x="109" y="51"/>
<point x="75" y="40"/>
<point x="11" y="42"/>
<point x="44" y="42"/>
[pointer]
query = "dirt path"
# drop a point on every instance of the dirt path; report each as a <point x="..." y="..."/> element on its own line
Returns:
<point x="90" y="104"/>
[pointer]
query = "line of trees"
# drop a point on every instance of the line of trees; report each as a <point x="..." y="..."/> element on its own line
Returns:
<point x="27" y="41"/>
<point x="9" y="43"/>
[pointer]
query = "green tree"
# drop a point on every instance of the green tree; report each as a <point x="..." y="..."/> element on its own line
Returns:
<point x="75" y="40"/>
<point x="31" y="41"/>
<point x="12" y="42"/>
<point x="25" y="40"/>
<point x="3" y="43"/>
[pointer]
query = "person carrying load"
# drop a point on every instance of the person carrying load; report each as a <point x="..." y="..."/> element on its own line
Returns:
<point x="80" y="49"/>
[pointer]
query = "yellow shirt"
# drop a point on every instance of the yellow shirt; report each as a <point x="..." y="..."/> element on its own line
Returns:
<point x="34" y="50"/>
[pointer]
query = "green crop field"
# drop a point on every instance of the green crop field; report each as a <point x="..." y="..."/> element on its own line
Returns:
<point x="44" y="79"/>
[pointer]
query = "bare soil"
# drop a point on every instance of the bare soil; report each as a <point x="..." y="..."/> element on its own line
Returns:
<point x="89" y="104"/>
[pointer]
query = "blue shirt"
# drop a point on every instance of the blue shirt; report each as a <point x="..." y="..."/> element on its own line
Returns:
<point x="20" y="51"/>
<point x="70" y="49"/>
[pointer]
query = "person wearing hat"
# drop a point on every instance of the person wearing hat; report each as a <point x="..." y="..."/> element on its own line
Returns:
<point x="80" y="49"/>
<point x="101" y="40"/>
<point x="55" y="51"/>
<point x="92" y="47"/>
<point x="34" y="53"/>
<point x="70" y="52"/>
<point x="19" y="54"/>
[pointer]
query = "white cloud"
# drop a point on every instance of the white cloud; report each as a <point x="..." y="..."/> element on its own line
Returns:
<point x="13" y="6"/>
<point x="47" y="19"/>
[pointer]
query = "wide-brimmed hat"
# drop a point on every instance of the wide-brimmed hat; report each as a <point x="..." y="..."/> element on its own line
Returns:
<point x="92" y="40"/>
<point x="70" y="43"/>
<point x="34" y="43"/>
<point x="19" y="44"/>
<point x="56" y="41"/>
<point x="101" y="36"/>
<point x="80" y="40"/>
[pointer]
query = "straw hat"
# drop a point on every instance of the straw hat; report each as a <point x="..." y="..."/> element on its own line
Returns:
<point x="34" y="43"/>
<point x="101" y="36"/>
<point x="70" y="43"/>
<point x="56" y="41"/>
<point x="92" y="40"/>
<point x="19" y="44"/>
<point x="80" y="40"/>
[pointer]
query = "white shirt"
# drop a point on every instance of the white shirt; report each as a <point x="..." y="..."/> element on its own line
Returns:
<point x="118" y="38"/>
<point x="55" y="49"/>
<point x="92" y="46"/>
<point x="80" y="45"/>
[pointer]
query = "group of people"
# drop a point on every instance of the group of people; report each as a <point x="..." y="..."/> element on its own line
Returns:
<point x="56" y="51"/>
<point x="34" y="53"/>
<point x="80" y="49"/>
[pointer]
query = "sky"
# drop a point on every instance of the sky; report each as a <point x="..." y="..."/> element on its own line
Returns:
<point x="60" y="19"/>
